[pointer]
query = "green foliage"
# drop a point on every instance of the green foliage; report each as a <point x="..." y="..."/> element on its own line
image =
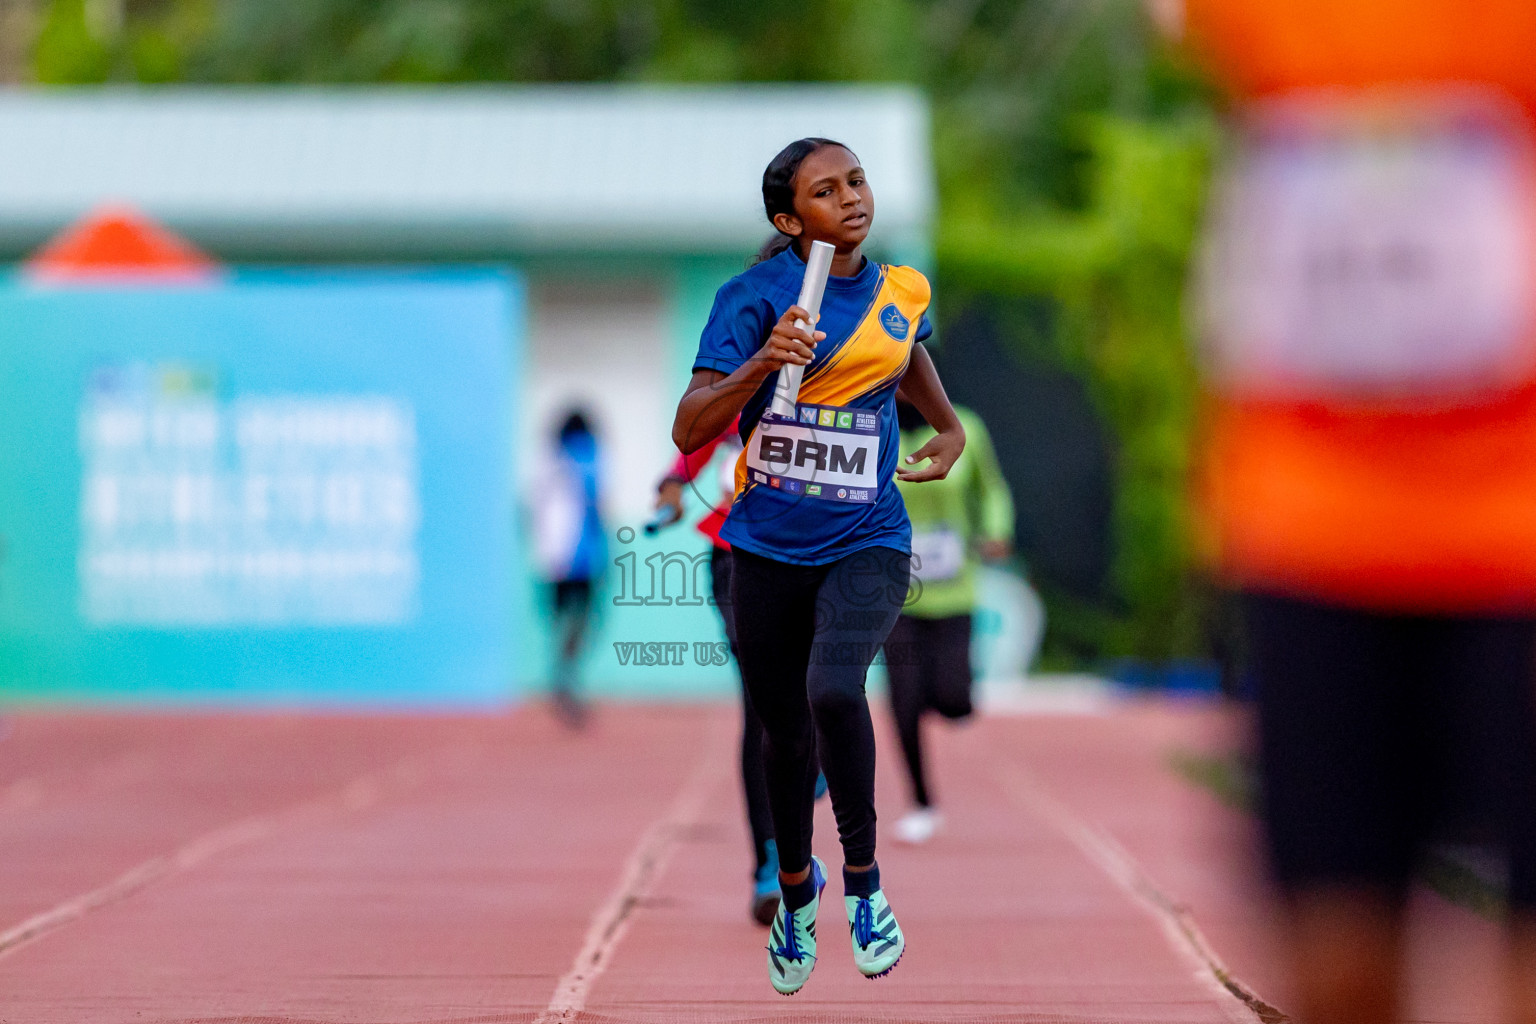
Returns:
<point x="1115" y="269"/>
<point x="94" y="41"/>
<point x="1070" y="149"/>
<point x="67" y="48"/>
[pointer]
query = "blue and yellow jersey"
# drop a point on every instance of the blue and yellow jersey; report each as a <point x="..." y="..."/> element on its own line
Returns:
<point x="813" y="490"/>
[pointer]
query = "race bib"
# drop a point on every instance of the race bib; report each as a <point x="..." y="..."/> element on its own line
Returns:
<point x="825" y="452"/>
<point x="937" y="555"/>
<point x="1370" y="251"/>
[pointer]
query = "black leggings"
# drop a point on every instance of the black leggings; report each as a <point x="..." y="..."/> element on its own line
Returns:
<point x="807" y="635"/>
<point x="754" y="775"/>
<point x="929" y="664"/>
<point x="1381" y="733"/>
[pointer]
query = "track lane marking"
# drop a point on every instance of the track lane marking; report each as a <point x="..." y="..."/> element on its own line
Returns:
<point x="355" y="796"/>
<point x="646" y="864"/>
<point x="1240" y="1003"/>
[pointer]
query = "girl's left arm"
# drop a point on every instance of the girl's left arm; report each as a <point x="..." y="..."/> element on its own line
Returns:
<point x="921" y="386"/>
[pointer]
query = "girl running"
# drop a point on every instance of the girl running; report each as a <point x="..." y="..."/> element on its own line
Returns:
<point x="754" y="778"/>
<point x="821" y="542"/>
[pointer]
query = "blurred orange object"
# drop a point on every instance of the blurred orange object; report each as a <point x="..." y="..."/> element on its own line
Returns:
<point x="1264" y="47"/>
<point x="1404" y="504"/>
<point x="116" y="243"/>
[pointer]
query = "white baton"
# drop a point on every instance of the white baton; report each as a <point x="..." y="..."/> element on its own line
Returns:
<point x="787" y="392"/>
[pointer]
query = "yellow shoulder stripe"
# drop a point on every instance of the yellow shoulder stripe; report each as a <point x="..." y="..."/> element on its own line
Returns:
<point x="874" y="355"/>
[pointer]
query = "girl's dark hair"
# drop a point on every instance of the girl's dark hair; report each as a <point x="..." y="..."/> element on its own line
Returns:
<point x="779" y="189"/>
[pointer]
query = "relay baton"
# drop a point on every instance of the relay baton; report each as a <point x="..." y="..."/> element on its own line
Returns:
<point x="787" y="392"/>
<point x="664" y="517"/>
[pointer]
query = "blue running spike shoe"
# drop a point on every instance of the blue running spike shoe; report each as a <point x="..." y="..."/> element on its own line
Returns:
<point x="821" y="785"/>
<point x="765" y="887"/>
<point x="877" y="939"/>
<point x="792" y="941"/>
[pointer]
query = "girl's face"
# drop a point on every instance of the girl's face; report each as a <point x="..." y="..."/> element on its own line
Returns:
<point x="833" y="201"/>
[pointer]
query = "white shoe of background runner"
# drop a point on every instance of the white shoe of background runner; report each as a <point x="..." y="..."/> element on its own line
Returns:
<point x="917" y="827"/>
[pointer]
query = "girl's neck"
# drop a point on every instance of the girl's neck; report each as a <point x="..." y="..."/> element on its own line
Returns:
<point x="843" y="264"/>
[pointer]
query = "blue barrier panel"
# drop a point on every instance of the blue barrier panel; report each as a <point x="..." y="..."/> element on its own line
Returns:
<point x="280" y="487"/>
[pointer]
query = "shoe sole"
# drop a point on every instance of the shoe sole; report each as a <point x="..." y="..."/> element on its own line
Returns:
<point x="888" y="970"/>
<point x="798" y="987"/>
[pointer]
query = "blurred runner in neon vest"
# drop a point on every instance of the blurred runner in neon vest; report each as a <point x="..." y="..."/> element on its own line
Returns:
<point x="956" y="523"/>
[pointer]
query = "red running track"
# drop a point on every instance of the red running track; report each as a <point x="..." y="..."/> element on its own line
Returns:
<point x="286" y="869"/>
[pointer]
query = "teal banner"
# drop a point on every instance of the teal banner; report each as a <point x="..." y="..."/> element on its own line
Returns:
<point x="276" y="488"/>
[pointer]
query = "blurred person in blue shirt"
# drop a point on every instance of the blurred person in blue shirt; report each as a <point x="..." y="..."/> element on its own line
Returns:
<point x="570" y="547"/>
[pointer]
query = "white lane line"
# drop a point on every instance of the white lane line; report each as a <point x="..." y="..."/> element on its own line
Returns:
<point x="355" y="796"/>
<point x="1239" y="1002"/>
<point x="644" y="868"/>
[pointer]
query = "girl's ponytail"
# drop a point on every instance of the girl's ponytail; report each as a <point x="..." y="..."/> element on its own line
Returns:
<point x="771" y="247"/>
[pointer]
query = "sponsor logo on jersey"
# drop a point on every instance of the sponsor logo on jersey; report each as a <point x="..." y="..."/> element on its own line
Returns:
<point x="773" y="482"/>
<point x="845" y="420"/>
<point x="827" y="417"/>
<point x="866" y="420"/>
<point x="842" y="492"/>
<point x="813" y="489"/>
<point x="895" y="324"/>
<point x="808" y="415"/>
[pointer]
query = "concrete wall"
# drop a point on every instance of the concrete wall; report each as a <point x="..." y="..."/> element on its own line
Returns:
<point x="620" y="339"/>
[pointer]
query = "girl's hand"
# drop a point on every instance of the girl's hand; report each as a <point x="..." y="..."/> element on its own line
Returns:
<point x="788" y="343"/>
<point x="670" y="496"/>
<point x="942" y="451"/>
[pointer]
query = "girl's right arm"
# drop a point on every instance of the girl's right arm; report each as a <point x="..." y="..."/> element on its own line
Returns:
<point x="714" y="399"/>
